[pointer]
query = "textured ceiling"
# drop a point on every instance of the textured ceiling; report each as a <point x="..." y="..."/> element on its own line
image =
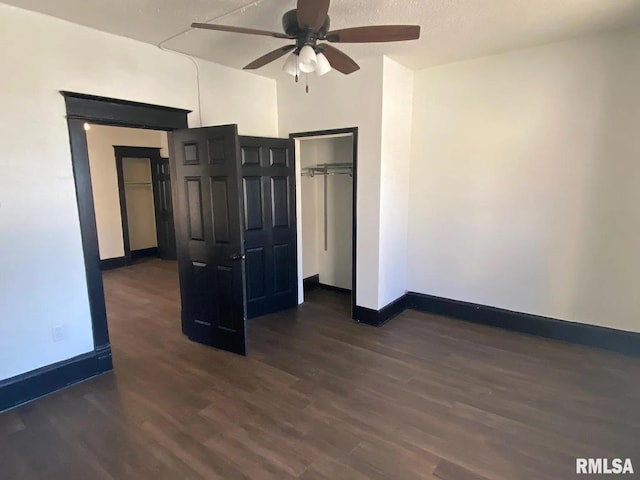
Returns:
<point x="452" y="30"/>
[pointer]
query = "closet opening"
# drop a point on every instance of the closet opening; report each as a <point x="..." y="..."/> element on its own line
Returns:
<point x="326" y="189"/>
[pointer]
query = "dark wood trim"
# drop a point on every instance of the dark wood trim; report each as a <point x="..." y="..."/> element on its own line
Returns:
<point x="121" y="152"/>
<point x="99" y="102"/>
<point x="311" y="283"/>
<point x="88" y="231"/>
<point x="124" y="113"/>
<point x="580" y="333"/>
<point x="377" y="318"/>
<point x="324" y="133"/>
<point x="334" y="288"/>
<point x="119" y="262"/>
<point x="106" y="111"/>
<point x="144" y="252"/>
<point x="111" y="263"/>
<point x="354" y="224"/>
<point x="368" y="316"/>
<point x="37" y="383"/>
<point x="572" y="332"/>
<point x="137" y="152"/>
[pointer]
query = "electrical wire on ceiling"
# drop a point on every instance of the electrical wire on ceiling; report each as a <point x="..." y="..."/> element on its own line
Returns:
<point x="161" y="46"/>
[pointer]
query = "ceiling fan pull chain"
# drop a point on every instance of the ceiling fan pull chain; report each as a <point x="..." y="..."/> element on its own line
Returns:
<point x="307" y="78"/>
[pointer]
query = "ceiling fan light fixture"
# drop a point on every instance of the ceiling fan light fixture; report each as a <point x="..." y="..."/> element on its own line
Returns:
<point x="307" y="68"/>
<point x="308" y="24"/>
<point x="291" y="65"/>
<point x="307" y="59"/>
<point x="323" y="65"/>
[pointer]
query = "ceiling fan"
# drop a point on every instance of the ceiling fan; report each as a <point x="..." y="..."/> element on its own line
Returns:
<point x="308" y="24"/>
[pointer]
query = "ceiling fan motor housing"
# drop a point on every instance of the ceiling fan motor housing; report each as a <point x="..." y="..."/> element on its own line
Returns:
<point x="303" y="36"/>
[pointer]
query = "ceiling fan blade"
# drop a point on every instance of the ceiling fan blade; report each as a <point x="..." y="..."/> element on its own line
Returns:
<point x="228" y="28"/>
<point x="339" y="60"/>
<point x="312" y="13"/>
<point x="377" y="33"/>
<point x="269" y="57"/>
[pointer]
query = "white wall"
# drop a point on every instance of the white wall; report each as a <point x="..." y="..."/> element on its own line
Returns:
<point x="104" y="179"/>
<point x="339" y="101"/>
<point x="43" y="280"/>
<point x="397" y="106"/>
<point x="334" y="266"/>
<point x="233" y="96"/>
<point x="309" y="206"/>
<point x="525" y="181"/>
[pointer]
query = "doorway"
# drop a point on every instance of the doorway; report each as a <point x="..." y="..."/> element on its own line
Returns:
<point x="85" y="109"/>
<point x="326" y="185"/>
<point x="146" y="206"/>
<point x="131" y="193"/>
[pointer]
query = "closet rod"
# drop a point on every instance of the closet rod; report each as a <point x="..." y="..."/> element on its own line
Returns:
<point x="324" y="174"/>
<point x="329" y="169"/>
<point x="343" y="164"/>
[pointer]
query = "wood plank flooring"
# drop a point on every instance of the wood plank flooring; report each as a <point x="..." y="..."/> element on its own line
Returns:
<point x="321" y="397"/>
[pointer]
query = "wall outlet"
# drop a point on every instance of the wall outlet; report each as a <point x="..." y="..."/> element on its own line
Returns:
<point x="58" y="333"/>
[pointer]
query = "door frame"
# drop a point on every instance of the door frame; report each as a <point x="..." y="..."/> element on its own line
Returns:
<point x="121" y="152"/>
<point x="354" y="233"/>
<point x="81" y="109"/>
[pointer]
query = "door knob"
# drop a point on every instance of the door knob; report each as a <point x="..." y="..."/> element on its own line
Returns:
<point x="236" y="256"/>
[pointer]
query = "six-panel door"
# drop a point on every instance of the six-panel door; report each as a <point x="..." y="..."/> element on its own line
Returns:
<point x="268" y="185"/>
<point x="209" y="235"/>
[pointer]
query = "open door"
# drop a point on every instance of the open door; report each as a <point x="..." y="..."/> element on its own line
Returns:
<point x="209" y="235"/>
<point x="164" y="208"/>
<point x="268" y="186"/>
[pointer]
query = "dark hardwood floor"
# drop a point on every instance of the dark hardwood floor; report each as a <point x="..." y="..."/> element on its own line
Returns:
<point x="321" y="397"/>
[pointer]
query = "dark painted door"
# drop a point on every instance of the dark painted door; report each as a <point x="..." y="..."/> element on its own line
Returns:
<point x="268" y="186"/>
<point x="164" y="208"/>
<point x="209" y="235"/>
